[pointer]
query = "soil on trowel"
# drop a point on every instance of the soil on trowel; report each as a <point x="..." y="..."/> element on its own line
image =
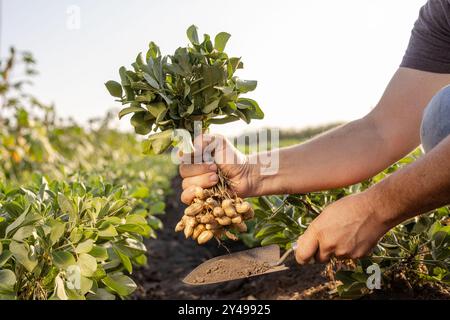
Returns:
<point x="227" y="269"/>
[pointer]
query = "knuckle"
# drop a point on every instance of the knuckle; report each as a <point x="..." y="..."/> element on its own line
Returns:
<point x="341" y="253"/>
<point x="186" y="184"/>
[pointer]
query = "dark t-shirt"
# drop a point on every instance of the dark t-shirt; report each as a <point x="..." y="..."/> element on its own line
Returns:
<point x="429" y="45"/>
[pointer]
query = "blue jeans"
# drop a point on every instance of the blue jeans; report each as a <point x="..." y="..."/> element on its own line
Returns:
<point x="436" y="120"/>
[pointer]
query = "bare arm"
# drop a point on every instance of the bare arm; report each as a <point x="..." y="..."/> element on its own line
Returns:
<point x="343" y="156"/>
<point x="362" y="148"/>
<point x="418" y="188"/>
<point x="352" y="226"/>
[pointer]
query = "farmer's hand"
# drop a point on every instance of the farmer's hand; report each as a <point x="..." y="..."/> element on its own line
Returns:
<point x="216" y="152"/>
<point x="348" y="228"/>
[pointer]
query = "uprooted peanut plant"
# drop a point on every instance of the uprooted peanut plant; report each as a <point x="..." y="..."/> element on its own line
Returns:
<point x="171" y="95"/>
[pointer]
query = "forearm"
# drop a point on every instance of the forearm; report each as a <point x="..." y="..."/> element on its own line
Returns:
<point x="362" y="148"/>
<point x="418" y="188"/>
<point x="341" y="157"/>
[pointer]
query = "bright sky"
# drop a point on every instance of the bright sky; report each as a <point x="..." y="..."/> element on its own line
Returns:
<point x="315" y="61"/>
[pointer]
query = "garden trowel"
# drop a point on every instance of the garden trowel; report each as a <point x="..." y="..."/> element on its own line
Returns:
<point x="266" y="259"/>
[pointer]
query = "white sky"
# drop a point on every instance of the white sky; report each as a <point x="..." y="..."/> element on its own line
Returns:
<point x="315" y="61"/>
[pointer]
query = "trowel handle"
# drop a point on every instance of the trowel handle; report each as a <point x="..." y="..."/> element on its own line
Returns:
<point x="288" y="253"/>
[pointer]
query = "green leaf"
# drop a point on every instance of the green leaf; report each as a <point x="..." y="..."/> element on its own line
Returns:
<point x="143" y="230"/>
<point x="223" y="120"/>
<point x="126" y="262"/>
<point x="158" y="142"/>
<point x="128" y="110"/>
<point x="157" y="207"/>
<point x="17" y="223"/>
<point x="101" y="294"/>
<point x="156" y="108"/>
<point x="141" y="192"/>
<point x="141" y="260"/>
<point x="85" y="246"/>
<point x="141" y="124"/>
<point x="123" y="77"/>
<point x="24" y="232"/>
<point x="153" y="51"/>
<point x="63" y="259"/>
<point x="114" y="88"/>
<point x="24" y="254"/>
<point x="57" y="230"/>
<point x="274" y="239"/>
<point x="4" y="257"/>
<point x="120" y="283"/>
<point x="192" y="34"/>
<point x="151" y="81"/>
<point x="245" y="86"/>
<point x="60" y="290"/>
<point x="67" y="207"/>
<point x="220" y="41"/>
<point x="87" y="264"/>
<point x="251" y="106"/>
<point x="7" y="279"/>
<point x="211" y="106"/>
<point x="232" y="65"/>
<point x="99" y="253"/>
<point x="107" y="231"/>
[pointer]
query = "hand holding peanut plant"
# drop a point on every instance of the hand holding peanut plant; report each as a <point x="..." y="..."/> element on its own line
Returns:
<point x="170" y="95"/>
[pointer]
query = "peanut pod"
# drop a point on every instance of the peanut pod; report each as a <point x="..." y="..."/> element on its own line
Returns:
<point x="194" y="209"/>
<point x="243" y="207"/>
<point x="207" y="218"/>
<point x="241" y="227"/>
<point x="200" y="193"/>
<point x="180" y="226"/>
<point x="224" y="221"/>
<point x="205" y="236"/>
<point x="211" y="202"/>
<point x="237" y="220"/>
<point x="188" y="230"/>
<point x="218" y="212"/>
<point x="198" y="230"/>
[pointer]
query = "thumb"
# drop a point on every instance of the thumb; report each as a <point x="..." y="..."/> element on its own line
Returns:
<point x="307" y="246"/>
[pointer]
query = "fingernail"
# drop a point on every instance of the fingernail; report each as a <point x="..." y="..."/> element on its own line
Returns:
<point x="294" y="245"/>
<point x="213" y="177"/>
<point x="213" y="167"/>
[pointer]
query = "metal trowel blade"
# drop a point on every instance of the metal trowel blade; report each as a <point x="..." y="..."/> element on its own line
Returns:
<point x="268" y="255"/>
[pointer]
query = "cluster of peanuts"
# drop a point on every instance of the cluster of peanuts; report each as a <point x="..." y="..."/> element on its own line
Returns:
<point x="214" y="214"/>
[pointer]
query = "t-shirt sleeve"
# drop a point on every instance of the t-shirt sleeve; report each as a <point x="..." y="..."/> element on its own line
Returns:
<point x="429" y="45"/>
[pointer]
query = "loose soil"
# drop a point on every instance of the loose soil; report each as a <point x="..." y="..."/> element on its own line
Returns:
<point x="171" y="257"/>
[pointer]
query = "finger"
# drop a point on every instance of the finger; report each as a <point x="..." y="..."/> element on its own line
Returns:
<point x="322" y="255"/>
<point x="206" y="180"/>
<point x="191" y="170"/>
<point x="188" y="195"/>
<point x="307" y="245"/>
